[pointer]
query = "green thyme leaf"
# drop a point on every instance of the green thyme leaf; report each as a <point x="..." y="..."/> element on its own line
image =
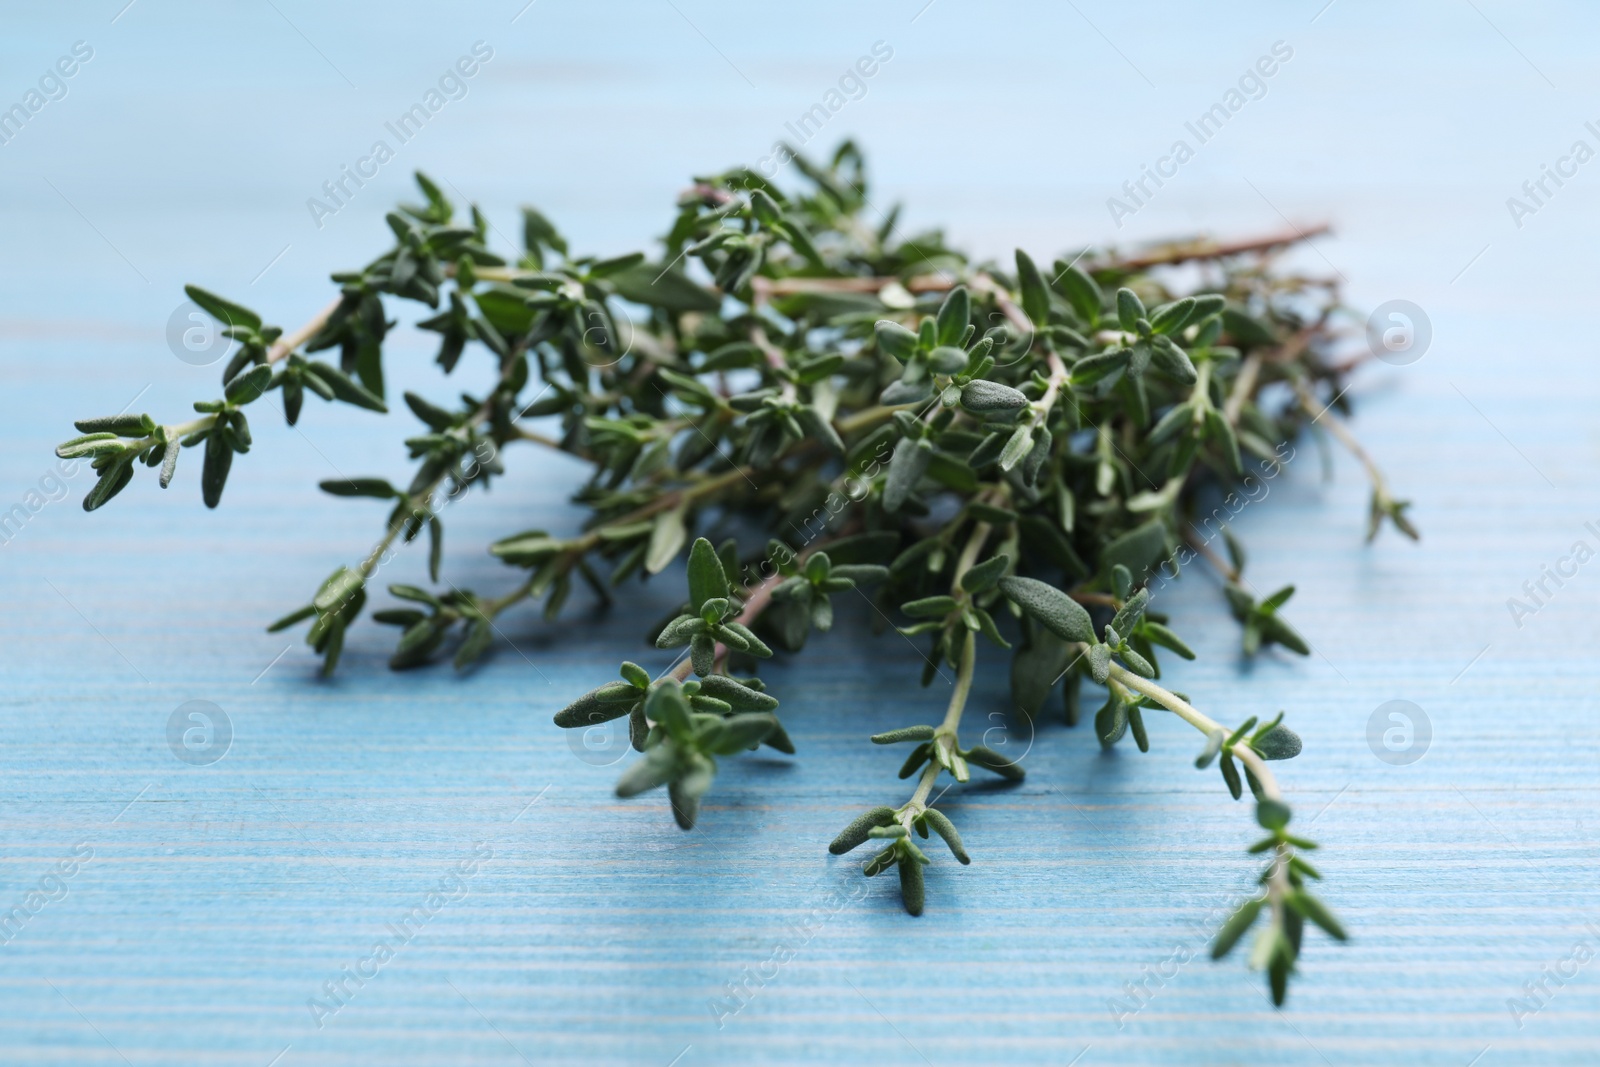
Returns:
<point x="946" y="829"/>
<point x="249" y="385"/>
<point x="912" y="891"/>
<point x="1236" y="926"/>
<point x="224" y="311"/>
<point x="857" y="832"/>
<point x="1035" y="296"/>
<point x="982" y="397"/>
<point x="1050" y="607"/>
<point x="907" y="733"/>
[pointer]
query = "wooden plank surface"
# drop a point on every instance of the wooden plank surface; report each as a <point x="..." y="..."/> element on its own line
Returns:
<point x="207" y="904"/>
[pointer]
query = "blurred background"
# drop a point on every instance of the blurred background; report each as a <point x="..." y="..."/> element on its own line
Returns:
<point x="209" y="903"/>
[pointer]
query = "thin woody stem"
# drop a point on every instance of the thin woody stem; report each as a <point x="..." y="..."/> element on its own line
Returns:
<point x="1016" y="316"/>
<point x="760" y="598"/>
<point x="521" y="433"/>
<point x="758" y="601"/>
<point x="1223" y="566"/>
<point x="1338" y="429"/>
<point x="422" y="499"/>
<point x="1191" y="251"/>
<point x="290" y="341"/>
<point x="1168" y="255"/>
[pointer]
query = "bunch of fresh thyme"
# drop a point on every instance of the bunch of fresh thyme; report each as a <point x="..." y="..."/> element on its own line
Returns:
<point x="1005" y="456"/>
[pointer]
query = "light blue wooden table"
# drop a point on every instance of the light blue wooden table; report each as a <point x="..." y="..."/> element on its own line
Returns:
<point x="207" y="904"/>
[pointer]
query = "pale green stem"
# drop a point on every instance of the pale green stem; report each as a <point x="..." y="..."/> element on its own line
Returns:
<point x="1278" y="883"/>
<point x="1243" y="387"/>
<point x="283" y="346"/>
<point x="1309" y="403"/>
<point x="1058" y="378"/>
<point x="870" y="417"/>
<point x="173" y="433"/>
<point x="1200" y="395"/>
<point x="946" y="734"/>
<point x="952" y="720"/>
<point x="194" y="425"/>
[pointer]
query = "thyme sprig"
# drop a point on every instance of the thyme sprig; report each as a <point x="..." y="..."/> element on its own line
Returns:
<point x="1006" y="456"/>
